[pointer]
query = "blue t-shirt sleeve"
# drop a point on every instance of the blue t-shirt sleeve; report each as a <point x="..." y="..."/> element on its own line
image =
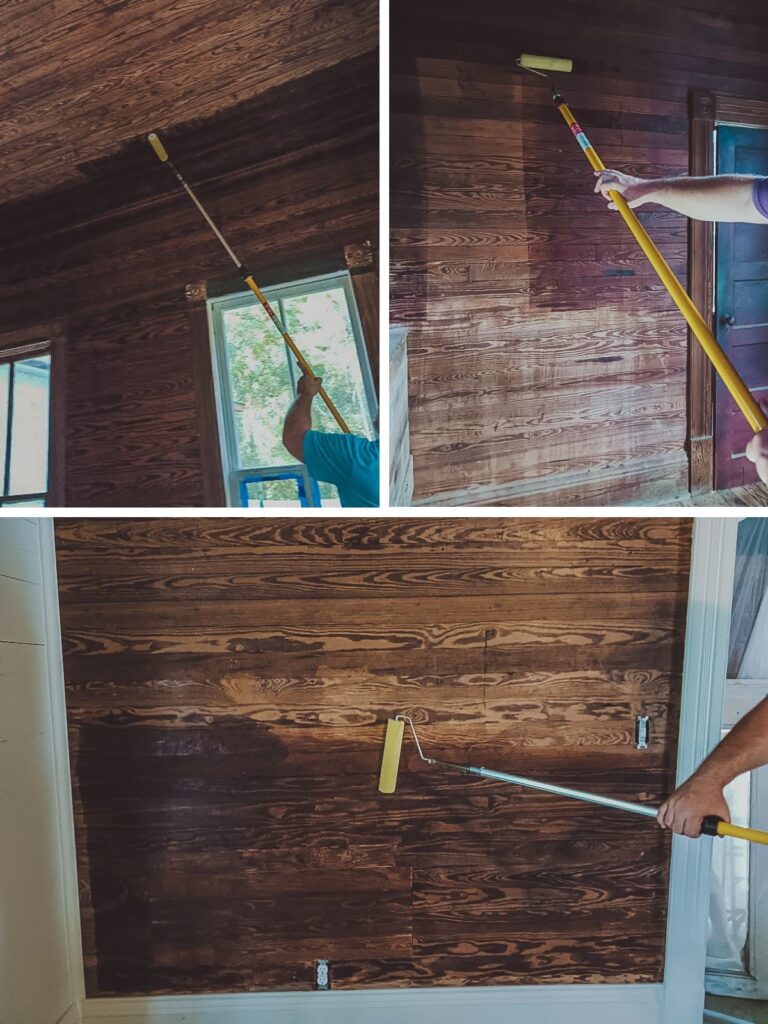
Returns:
<point x="760" y="196"/>
<point x="329" y="457"/>
<point x="349" y="462"/>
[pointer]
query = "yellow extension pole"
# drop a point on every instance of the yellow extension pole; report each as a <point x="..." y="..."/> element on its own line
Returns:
<point x="752" y="835"/>
<point x="722" y="364"/>
<point x="162" y="154"/>
<point x="248" y="278"/>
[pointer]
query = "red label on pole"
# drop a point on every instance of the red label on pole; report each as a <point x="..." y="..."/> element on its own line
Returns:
<point x="575" y="128"/>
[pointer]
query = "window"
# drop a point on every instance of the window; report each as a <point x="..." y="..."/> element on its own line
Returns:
<point x="25" y="412"/>
<point x="256" y="376"/>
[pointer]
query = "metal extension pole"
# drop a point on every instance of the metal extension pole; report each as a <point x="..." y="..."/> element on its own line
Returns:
<point x="725" y="368"/>
<point x="711" y="825"/>
<point x="247" y="277"/>
<point x="572" y="794"/>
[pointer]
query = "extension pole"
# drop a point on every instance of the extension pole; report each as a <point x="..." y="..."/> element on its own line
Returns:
<point x="162" y="154"/>
<point x="712" y="825"/>
<point x="727" y="371"/>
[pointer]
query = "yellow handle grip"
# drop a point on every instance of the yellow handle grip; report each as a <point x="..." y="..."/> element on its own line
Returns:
<point x="753" y="414"/>
<point x="751" y="835"/>
<point x="157" y="145"/>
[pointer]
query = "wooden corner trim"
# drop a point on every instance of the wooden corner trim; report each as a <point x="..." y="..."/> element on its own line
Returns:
<point x="703" y="105"/>
<point x="358" y="256"/>
<point x="196" y="292"/>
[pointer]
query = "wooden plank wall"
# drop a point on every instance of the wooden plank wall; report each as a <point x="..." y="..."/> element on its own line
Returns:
<point x="84" y="79"/>
<point x="228" y="682"/>
<point x="547" y="363"/>
<point x="291" y="177"/>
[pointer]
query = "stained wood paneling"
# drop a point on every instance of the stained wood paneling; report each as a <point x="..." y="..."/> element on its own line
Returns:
<point x="228" y="682"/>
<point x="83" y="79"/>
<point x="291" y="176"/>
<point x="547" y="363"/>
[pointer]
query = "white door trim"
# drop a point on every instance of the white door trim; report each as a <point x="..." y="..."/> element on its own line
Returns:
<point x="62" y="782"/>
<point x="710" y="593"/>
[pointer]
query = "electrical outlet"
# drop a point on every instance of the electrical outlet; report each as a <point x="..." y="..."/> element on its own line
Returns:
<point x="642" y="731"/>
<point x="322" y="976"/>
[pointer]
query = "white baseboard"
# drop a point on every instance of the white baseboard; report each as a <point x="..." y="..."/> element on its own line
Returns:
<point x="524" y="1004"/>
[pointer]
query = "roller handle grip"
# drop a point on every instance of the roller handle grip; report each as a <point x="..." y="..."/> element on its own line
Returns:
<point x="710" y="824"/>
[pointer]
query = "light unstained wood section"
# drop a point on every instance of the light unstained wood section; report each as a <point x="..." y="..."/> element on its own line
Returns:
<point x="290" y="176"/>
<point x="546" y="359"/>
<point x="228" y="684"/>
<point x="84" y="79"/>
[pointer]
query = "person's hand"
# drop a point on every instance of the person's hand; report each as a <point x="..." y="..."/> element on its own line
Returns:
<point x="757" y="452"/>
<point x="634" y="190"/>
<point x="696" y="799"/>
<point x="307" y="385"/>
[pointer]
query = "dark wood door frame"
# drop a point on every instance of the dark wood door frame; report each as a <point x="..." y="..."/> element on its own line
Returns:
<point x="707" y="109"/>
<point x="214" y="494"/>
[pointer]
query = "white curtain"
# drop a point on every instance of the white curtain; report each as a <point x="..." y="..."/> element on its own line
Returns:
<point x="748" y="654"/>
<point x="748" y="659"/>
<point x="729" y="892"/>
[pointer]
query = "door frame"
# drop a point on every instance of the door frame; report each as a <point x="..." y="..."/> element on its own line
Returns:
<point x="679" y="1000"/>
<point x="705" y="668"/>
<point x="707" y="109"/>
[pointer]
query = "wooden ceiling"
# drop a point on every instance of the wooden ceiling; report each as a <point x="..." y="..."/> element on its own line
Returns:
<point x="81" y="78"/>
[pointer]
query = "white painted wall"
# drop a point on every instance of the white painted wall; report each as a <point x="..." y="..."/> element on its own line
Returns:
<point x="36" y="983"/>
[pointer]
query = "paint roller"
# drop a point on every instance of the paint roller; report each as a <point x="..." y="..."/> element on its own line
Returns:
<point x="162" y="155"/>
<point x="751" y="410"/>
<point x="390" y="764"/>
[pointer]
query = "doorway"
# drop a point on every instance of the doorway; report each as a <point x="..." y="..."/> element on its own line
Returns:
<point x="741" y="305"/>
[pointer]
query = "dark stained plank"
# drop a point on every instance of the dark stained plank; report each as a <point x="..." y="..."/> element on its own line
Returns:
<point x="86" y="78"/>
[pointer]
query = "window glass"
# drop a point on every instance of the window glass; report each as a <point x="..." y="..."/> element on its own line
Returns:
<point x="29" y="434"/>
<point x="320" y="324"/>
<point x="261" y="384"/>
<point x="272" y="494"/>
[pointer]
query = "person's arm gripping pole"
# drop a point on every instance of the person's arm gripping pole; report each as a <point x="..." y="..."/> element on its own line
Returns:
<point x="722" y="364"/>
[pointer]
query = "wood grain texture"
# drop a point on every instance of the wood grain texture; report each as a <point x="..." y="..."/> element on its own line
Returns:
<point x="290" y="174"/>
<point x="228" y="685"/>
<point x="83" y="79"/>
<point x="534" y="317"/>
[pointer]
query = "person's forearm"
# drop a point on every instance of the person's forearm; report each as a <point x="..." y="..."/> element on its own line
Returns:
<point x="727" y="197"/>
<point x="297" y="422"/>
<point x="743" y="749"/>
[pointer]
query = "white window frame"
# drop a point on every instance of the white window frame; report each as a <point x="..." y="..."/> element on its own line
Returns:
<point x="216" y="307"/>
